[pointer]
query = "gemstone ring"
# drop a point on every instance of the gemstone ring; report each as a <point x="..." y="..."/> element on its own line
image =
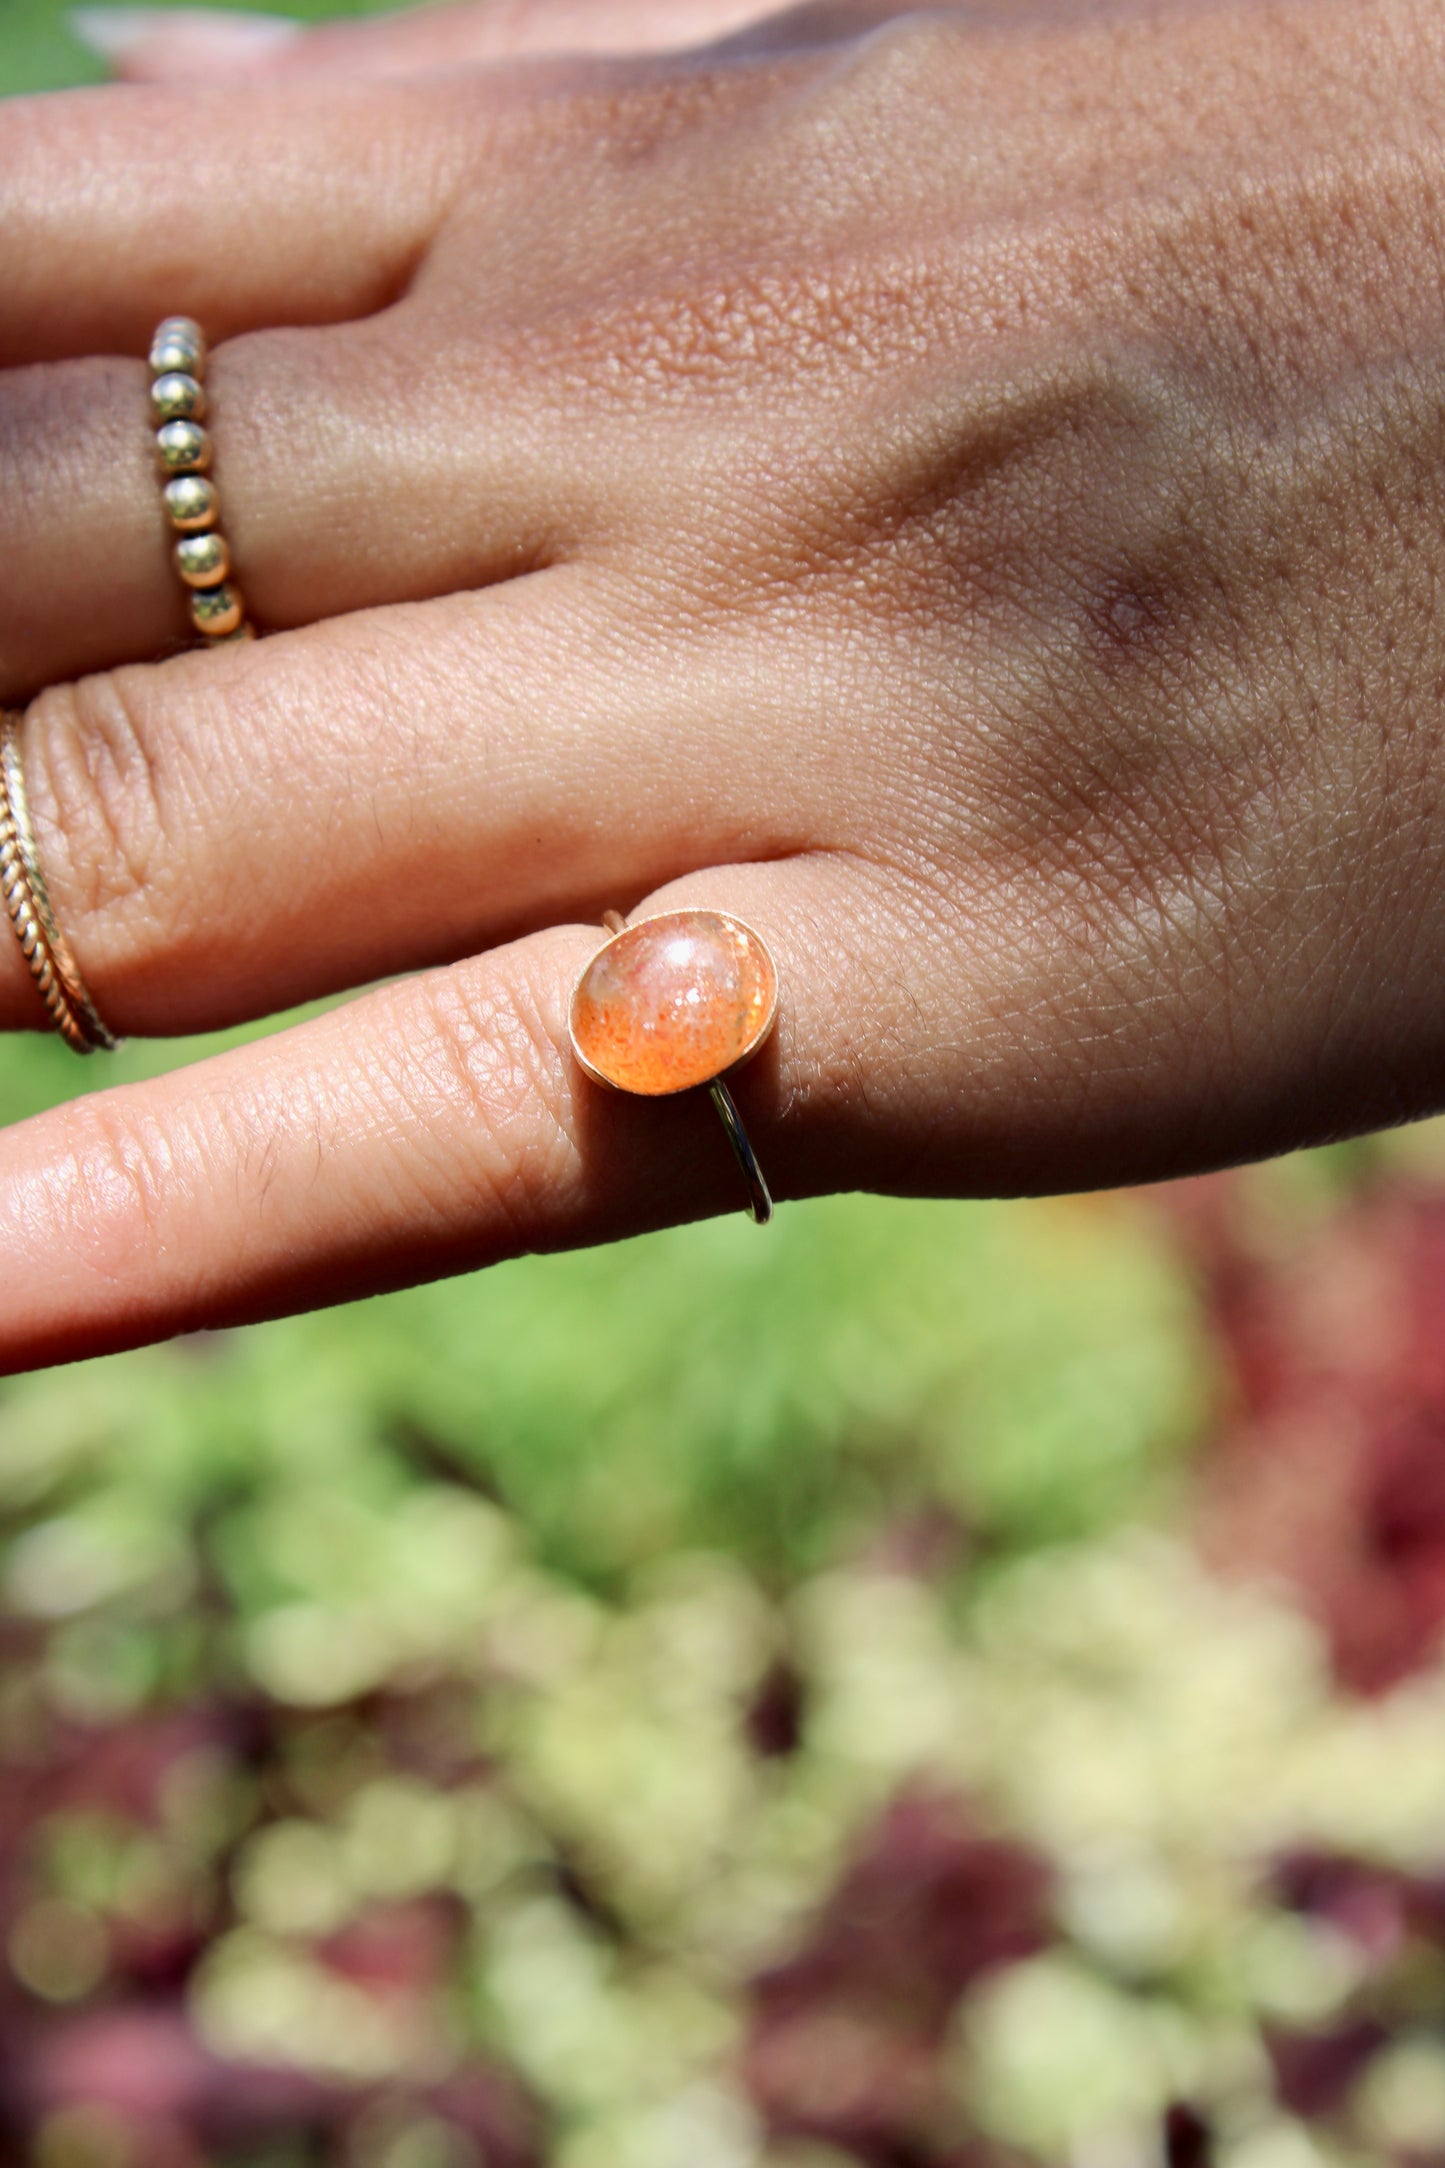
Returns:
<point x="676" y="1002"/>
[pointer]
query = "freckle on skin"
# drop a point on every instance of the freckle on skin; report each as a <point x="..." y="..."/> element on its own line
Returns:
<point x="1128" y="616"/>
<point x="1127" y="619"/>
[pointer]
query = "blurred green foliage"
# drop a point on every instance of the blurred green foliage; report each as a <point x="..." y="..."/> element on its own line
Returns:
<point x="1031" y="1372"/>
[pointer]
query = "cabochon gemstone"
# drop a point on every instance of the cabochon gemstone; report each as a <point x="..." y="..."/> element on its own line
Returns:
<point x="674" y="1001"/>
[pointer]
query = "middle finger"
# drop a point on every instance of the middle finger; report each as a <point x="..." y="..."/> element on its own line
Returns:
<point x="226" y="834"/>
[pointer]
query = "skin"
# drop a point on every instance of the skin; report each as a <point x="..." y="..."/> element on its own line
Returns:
<point x="962" y="491"/>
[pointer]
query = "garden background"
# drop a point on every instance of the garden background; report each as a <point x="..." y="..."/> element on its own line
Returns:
<point x="934" y="1686"/>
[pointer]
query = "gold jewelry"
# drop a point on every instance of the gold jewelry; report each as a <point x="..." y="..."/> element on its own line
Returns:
<point x="27" y="903"/>
<point x="183" y="450"/>
<point x="674" y="1002"/>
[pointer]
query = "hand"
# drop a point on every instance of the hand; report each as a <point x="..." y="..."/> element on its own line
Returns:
<point x="968" y="499"/>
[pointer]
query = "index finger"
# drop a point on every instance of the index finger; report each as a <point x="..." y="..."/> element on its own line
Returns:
<point x="433" y="1126"/>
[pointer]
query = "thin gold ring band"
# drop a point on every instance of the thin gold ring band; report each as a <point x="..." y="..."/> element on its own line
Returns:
<point x="200" y="553"/>
<point x="760" y="1197"/>
<point x="48" y="954"/>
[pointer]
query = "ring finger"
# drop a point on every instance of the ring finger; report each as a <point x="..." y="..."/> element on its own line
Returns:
<point x="341" y="488"/>
<point x="226" y="834"/>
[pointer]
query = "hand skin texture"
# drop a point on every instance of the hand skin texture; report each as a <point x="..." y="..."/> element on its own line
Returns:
<point x="964" y="491"/>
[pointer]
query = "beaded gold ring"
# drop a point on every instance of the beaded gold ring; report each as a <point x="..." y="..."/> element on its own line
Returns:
<point x="201" y="554"/>
<point x="675" y="1002"/>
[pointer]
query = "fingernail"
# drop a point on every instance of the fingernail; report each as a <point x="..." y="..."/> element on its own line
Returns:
<point x="116" y="33"/>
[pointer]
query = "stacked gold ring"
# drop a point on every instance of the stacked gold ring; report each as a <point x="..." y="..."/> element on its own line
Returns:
<point x="27" y="904"/>
<point x="183" y="451"/>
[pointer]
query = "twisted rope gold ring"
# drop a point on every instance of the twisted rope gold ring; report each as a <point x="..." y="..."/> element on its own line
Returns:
<point x="27" y="903"/>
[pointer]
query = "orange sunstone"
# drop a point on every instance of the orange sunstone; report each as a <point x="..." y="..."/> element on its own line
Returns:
<point x="674" y="1001"/>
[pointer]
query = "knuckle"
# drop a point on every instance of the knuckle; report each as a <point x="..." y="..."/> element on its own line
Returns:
<point x="488" y="1040"/>
<point x="45" y="414"/>
<point x="96" y="798"/>
<point x="112" y="1190"/>
<point x="69" y="453"/>
<point x="906" y="48"/>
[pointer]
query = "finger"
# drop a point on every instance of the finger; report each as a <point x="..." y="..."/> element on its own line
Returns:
<point x="230" y="833"/>
<point x="178" y="44"/>
<point x="431" y="1127"/>
<point x="425" y="39"/>
<point x="238" y="205"/>
<point x="340" y="490"/>
<point x="159" y="45"/>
